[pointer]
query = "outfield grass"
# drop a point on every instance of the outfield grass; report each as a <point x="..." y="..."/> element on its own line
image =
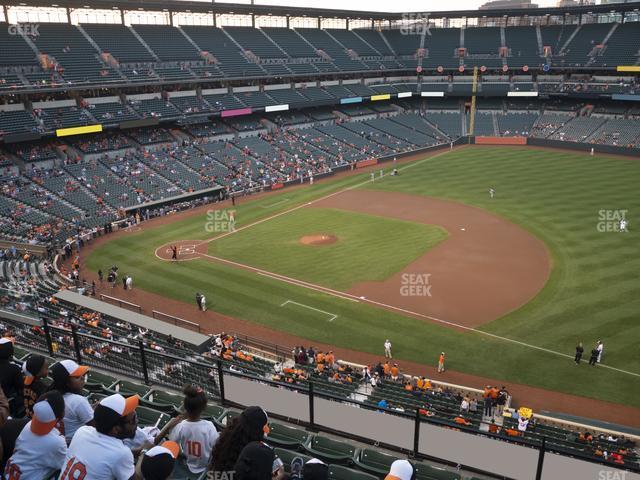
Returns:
<point x="363" y="244"/>
<point x="593" y="291"/>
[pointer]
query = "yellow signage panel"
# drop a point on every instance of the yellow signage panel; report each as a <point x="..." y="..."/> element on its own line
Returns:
<point x="629" y="68"/>
<point x="385" y="96"/>
<point x="65" y="132"/>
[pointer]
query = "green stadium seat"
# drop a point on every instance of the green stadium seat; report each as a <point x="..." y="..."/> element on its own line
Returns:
<point x="428" y="472"/>
<point x="286" y="437"/>
<point x="226" y="417"/>
<point x="19" y="353"/>
<point x="149" y="417"/>
<point x="213" y="412"/>
<point x="287" y="455"/>
<point x="330" y="451"/>
<point x="95" y="397"/>
<point x="98" y="381"/>
<point x="373" y="461"/>
<point x="170" y="403"/>
<point x="127" y="388"/>
<point x="338" y="472"/>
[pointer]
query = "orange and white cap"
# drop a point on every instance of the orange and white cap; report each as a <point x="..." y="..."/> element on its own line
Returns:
<point x="31" y="367"/>
<point x="68" y="368"/>
<point x="44" y="413"/>
<point x="158" y="462"/>
<point x="165" y="448"/>
<point x="400" y="470"/>
<point x="121" y="405"/>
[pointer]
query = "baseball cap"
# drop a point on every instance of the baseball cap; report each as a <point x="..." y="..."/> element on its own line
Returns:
<point x="159" y="461"/>
<point x="47" y="412"/>
<point x="119" y="404"/>
<point x="6" y="347"/>
<point x="315" y="469"/>
<point x="400" y="470"/>
<point x="255" y="462"/>
<point x="257" y="419"/>
<point x="64" y="369"/>
<point x="31" y="367"/>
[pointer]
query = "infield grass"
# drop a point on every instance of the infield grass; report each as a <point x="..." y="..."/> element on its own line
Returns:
<point x="373" y="247"/>
<point x="593" y="292"/>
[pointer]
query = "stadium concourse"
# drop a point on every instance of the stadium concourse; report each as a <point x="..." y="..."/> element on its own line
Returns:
<point x="112" y="121"/>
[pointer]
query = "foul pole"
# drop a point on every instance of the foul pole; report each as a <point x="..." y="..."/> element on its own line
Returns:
<point x="474" y="89"/>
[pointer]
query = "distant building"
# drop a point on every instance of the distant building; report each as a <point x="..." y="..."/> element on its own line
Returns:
<point x="577" y="3"/>
<point x="502" y="4"/>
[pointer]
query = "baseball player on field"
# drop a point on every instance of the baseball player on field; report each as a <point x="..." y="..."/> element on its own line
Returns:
<point x="99" y="453"/>
<point x="40" y="450"/>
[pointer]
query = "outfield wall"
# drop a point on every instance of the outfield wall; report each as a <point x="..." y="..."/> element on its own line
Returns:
<point x="501" y="141"/>
<point x="584" y="147"/>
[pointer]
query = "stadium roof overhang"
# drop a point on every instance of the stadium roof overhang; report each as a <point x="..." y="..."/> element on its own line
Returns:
<point x="246" y="9"/>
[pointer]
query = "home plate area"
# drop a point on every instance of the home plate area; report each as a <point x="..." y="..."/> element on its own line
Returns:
<point x="186" y="250"/>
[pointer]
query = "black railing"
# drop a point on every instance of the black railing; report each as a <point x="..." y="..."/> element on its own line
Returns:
<point x="154" y="367"/>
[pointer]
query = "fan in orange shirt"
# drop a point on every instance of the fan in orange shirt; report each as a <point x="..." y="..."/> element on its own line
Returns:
<point x="330" y="359"/>
<point x="441" y="363"/>
<point x="460" y="420"/>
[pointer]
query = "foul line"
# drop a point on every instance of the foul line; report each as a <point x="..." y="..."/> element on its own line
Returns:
<point x="354" y="298"/>
<point x="332" y="315"/>
<point x="293" y="209"/>
<point x="271" y="205"/>
<point x="284" y="278"/>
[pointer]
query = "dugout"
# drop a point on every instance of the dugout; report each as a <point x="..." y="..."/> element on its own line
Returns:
<point x="198" y="340"/>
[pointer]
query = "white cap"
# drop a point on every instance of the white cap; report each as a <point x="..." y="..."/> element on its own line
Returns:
<point x="122" y="406"/>
<point x="400" y="470"/>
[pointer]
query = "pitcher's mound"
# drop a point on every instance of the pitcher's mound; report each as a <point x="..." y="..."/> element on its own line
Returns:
<point x="322" y="239"/>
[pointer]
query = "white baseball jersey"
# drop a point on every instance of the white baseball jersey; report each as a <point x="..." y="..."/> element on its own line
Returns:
<point x="36" y="456"/>
<point x="196" y="440"/>
<point x="77" y="413"/>
<point x="94" y="456"/>
<point x="522" y="424"/>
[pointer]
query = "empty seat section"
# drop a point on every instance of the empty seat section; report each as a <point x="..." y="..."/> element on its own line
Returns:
<point x="119" y="41"/>
<point x="78" y="60"/>
<point x="522" y="43"/>
<point x="228" y="55"/>
<point x="167" y="42"/>
<point x="483" y="47"/>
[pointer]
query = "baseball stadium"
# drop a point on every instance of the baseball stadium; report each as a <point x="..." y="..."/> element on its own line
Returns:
<point x="248" y="241"/>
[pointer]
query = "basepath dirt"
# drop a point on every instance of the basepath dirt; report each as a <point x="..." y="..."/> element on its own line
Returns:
<point x="486" y="267"/>
<point x="213" y="322"/>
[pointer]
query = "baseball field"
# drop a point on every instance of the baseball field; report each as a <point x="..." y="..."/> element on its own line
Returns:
<point x="506" y="286"/>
